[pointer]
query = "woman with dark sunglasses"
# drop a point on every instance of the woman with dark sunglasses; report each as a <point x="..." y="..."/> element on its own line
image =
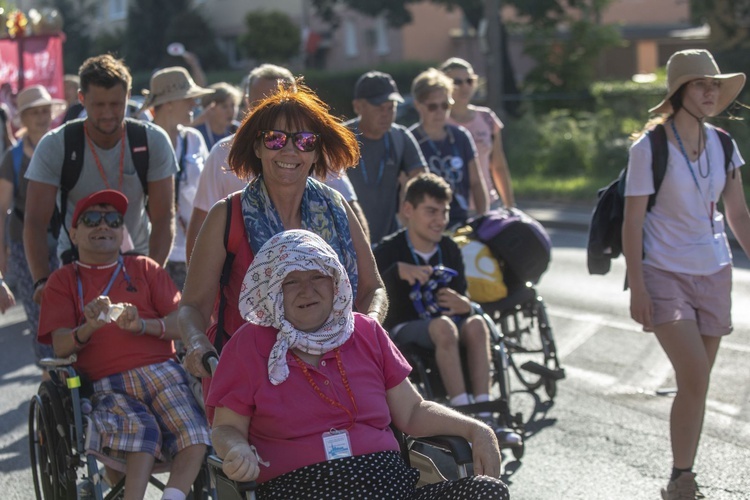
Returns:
<point x="449" y="150"/>
<point x="485" y="128"/>
<point x="288" y="137"/>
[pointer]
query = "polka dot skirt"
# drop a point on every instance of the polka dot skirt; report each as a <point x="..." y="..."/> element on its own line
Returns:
<point x="381" y="475"/>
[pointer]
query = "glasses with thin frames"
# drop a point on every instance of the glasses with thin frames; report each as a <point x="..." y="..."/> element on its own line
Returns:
<point x="470" y="80"/>
<point x="93" y="219"/>
<point x="434" y="106"/>
<point x="277" y="139"/>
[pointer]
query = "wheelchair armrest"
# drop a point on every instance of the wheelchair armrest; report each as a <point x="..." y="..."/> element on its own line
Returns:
<point x="457" y="446"/>
<point x="55" y="362"/>
<point x="226" y="485"/>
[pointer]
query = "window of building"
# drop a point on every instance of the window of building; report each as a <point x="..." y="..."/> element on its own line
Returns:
<point x="381" y="36"/>
<point x="350" y="39"/>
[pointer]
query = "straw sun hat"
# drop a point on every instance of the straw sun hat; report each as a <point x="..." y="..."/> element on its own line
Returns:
<point x="688" y="65"/>
<point x="171" y="84"/>
<point x="35" y="96"/>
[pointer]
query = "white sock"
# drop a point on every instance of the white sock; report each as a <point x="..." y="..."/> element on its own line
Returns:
<point x="460" y="399"/>
<point x="173" y="494"/>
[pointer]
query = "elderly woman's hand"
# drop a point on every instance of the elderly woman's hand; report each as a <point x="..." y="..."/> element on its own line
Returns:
<point x="240" y="463"/>
<point x="197" y="348"/>
<point x="485" y="451"/>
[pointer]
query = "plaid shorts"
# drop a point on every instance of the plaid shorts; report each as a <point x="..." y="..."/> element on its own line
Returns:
<point x="149" y="409"/>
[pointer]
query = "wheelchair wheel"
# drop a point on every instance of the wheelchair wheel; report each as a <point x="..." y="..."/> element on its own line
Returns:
<point x="49" y="448"/>
<point x="532" y="348"/>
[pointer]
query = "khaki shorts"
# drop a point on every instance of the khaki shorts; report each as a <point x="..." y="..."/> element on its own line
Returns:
<point x="706" y="300"/>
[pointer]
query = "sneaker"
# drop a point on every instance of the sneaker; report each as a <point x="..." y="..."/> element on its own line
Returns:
<point x="682" y="488"/>
<point x="506" y="437"/>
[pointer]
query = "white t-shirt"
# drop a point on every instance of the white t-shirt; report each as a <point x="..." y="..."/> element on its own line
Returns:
<point x="217" y="181"/>
<point x="677" y="232"/>
<point x="194" y="159"/>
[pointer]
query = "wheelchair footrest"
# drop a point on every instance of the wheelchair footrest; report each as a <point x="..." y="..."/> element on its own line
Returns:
<point x="543" y="371"/>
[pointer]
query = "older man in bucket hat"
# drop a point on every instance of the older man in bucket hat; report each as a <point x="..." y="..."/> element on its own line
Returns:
<point x="390" y="154"/>
<point x="107" y="160"/>
<point x="171" y="96"/>
<point x="679" y="264"/>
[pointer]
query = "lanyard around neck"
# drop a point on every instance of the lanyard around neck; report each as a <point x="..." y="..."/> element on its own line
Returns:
<point x="106" y="290"/>
<point x="319" y="392"/>
<point x="711" y="201"/>
<point x="438" y="152"/>
<point x="98" y="161"/>
<point x="381" y="169"/>
<point x="416" y="257"/>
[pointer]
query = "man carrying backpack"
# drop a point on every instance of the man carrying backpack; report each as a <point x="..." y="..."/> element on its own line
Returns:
<point x="84" y="156"/>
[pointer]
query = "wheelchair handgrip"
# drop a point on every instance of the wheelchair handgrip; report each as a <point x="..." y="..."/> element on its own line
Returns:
<point x="215" y="463"/>
<point x="210" y="361"/>
<point x="457" y="446"/>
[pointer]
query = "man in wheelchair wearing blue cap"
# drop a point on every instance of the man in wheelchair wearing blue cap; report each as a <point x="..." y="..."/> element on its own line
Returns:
<point x="118" y="315"/>
<point x="423" y="272"/>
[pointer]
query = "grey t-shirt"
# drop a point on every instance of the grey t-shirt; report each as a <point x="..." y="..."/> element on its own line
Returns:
<point x="377" y="186"/>
<point x="46" y="167"/>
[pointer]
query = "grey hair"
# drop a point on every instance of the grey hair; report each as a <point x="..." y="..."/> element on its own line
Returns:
<point x="428" y="81"/>
<point x="457" y="63"/>
<point x="269" y="72"/>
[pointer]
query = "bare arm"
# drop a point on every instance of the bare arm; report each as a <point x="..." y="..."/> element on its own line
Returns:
<point x="194" y="227"/>
<point x="201" y="287"/>
<point x="371" y="297"/>
<point x="478" y="188"/>
<point x="196" y="70"/>
<point x="415" y="416"/>
<point x="161" y="213"/>
<point x="632" y="249"/>
<point x="40" y="204"/>
<point x="735" y="207"/>
<point x="229" y="438"/>
<point x="500" y="172"/>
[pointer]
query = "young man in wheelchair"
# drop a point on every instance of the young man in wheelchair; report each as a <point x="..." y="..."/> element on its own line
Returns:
<point x="414" y="256"/>
<point x="118" y="314"/>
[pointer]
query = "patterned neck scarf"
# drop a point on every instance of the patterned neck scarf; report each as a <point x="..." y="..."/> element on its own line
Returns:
<point x="322" y="211"/>
<point x="262" y="299"/>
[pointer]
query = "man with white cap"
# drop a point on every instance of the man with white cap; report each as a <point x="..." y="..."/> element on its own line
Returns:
<point x="390" y="154"/>
<point x="171" y="96"/>
<point x="103" y="163"/>
<point x="37" y="109"/>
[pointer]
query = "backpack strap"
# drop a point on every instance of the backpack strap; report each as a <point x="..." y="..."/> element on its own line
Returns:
<point x="17" y="156"/>
<point x="72" y="165"/>
<point x="659" y="156"/>
<point x="232" y="236"/>
<point x="727" y="145"/>
<point x="139" y="150"/>
<point x="182" y="134"/>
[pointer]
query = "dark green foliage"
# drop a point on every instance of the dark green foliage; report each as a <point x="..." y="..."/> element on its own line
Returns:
<point x="271" y="37"/>
<point x="76" y="16"/>
<point x="192" y="30"/>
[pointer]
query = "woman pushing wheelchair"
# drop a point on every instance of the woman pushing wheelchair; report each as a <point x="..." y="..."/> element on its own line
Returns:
<point x="306" y="390"/>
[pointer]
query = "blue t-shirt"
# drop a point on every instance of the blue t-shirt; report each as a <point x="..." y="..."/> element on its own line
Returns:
<point x="449" y="158"/>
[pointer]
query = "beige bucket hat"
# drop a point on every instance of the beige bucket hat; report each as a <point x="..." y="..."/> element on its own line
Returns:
<point x="171" y="84"/>
<point x="687" y="65"/>
<point x="35" y="96"/>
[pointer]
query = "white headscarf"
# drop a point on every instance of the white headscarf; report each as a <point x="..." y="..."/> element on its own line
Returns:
<point x="262" y="299"/>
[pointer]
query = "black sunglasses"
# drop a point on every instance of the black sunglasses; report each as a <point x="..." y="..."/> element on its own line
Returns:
<point x="468" y="81"/>
<point x="277" y="139"/>
<point x="433" y="106"/>
<point x="93" y="219"/>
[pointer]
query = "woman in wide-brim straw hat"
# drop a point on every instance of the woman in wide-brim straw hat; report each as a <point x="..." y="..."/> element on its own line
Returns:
<point x="679" y="265"/>
<point x="36" y="108"/>
<point x="172" y="95"/>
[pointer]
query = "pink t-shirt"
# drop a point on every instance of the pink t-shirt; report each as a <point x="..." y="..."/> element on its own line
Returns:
<point x="483" y="128"/>
<point x="287" y="421"/>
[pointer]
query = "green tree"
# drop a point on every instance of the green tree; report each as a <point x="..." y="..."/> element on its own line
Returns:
<point x="77" y="16"/>
<point x="271" y="36"/>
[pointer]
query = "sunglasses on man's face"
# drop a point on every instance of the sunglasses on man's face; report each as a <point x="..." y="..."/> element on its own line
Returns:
<point x="277" y="139"/>
<point x="468" y="81"/>
<point x="93" y="219"/>
<point x="434" y="106"/>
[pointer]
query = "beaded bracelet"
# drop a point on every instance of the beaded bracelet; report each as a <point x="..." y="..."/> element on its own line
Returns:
<point x="163" y="328"/>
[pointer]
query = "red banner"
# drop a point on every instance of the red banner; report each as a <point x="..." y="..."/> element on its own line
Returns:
<point x="41" y="59"/>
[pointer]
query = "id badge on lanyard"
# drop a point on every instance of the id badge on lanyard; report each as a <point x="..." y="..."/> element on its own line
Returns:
<point x="721" y="249"/>
<point x="337" y="444"/>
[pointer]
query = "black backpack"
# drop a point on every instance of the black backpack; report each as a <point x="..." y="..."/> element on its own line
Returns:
<point x="75" y="145"/>
<point x="605" y="229"/>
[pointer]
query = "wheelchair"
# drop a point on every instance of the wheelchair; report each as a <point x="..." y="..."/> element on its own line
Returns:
<point x="61" y="467"/>
<point x="457" y="447"/>
<point x="522" y="320"/>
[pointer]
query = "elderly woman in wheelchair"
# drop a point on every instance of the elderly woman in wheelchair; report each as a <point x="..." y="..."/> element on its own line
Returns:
<point x="118" y="315"/>
<point x="305" y="391"/>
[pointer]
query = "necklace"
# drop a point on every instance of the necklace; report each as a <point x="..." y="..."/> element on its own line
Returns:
<point x="98" y="161"/>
